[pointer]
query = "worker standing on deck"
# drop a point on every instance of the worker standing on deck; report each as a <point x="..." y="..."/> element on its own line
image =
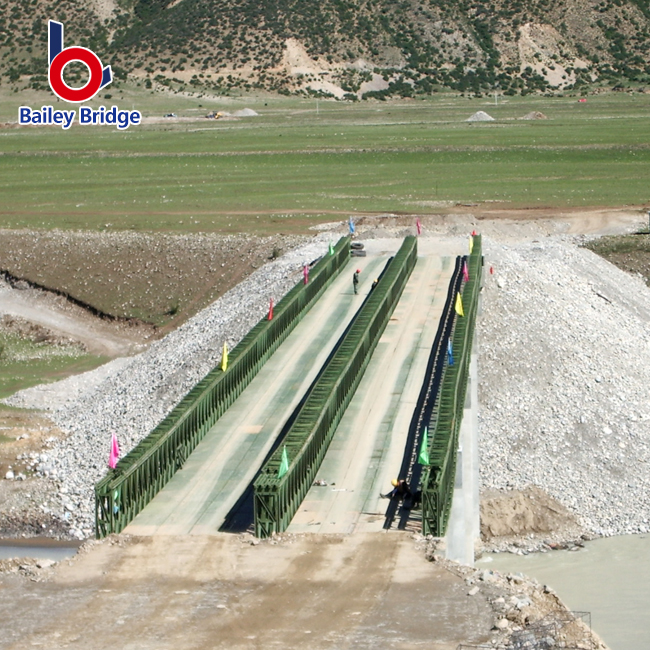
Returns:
<point x="355" y="280"/>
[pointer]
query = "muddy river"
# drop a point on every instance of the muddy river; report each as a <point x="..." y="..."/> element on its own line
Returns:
<point x="608" y="577"/>
<point x="39" y="549"/>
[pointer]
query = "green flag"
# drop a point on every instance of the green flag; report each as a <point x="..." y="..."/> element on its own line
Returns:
<point x="423" y="458"/>
<point x="331" y="249"/>
<point x="284" y="463"/>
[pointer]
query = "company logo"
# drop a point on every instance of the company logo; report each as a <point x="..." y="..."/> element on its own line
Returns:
<point x="99" y="77"/>
<point x="60" y="57"/>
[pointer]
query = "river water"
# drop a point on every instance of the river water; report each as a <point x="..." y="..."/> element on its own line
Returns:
<point x="40" y="549"/>
<point x="609" y="577"/>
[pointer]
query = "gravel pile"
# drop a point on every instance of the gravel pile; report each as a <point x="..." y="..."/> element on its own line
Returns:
<point x="565" y="369"/>
<point x="480" y="116"/>
<point x="132" y="396"/>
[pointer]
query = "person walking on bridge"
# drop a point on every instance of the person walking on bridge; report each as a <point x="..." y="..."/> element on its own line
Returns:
<point x="355" y="280"/>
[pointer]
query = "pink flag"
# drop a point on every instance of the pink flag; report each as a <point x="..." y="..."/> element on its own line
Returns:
<point x="465" y="272"/>
<point x="305" y="272"/>
<point x="115" y="452"/>
<point x="418" y="225"/>
<point x="271" y="310"/>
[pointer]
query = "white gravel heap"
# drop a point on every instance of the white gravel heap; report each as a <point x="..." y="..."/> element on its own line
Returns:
<point x="131" y="396"/>
<point x="565" y="372"/>
<point x="480" y="116"/>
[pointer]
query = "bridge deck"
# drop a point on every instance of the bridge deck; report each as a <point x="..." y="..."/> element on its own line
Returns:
<point x="367" y="449"/>
<point x="368" y="445"/>
<point x="202" y="493"/>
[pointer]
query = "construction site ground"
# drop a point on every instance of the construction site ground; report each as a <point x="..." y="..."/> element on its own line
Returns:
<point x="372" y="590"/>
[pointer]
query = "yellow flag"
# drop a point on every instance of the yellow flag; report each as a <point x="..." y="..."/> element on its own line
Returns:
<point x="459" y="305"/>
<point x="224" y="357"/>
<point x="471" y="244"/>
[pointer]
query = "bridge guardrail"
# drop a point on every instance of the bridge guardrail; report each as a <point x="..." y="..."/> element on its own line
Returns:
<point x="411" y="469"/>
<point x="446" y="417"/>
<point x="277" y="498"/>
<point x="144" y="471"/>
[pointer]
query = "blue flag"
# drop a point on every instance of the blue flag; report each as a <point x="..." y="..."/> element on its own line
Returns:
<point x="351" y="225"/>
<point x="450" y="353"/>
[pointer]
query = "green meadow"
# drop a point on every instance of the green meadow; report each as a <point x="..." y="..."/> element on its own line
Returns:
<point x="25" y="363"/>
<point x="302" y="161"/>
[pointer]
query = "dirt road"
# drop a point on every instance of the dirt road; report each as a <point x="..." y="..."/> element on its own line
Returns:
<point x="58" y="315"/>
<point x="326" y="591"/>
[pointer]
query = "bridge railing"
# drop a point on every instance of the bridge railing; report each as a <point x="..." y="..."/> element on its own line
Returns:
<point x="278" y="497"/>
<point x="446" y="417"/>
<point x="144" y="471"/>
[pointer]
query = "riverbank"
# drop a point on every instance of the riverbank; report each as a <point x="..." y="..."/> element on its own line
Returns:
<point x="607" y="577"/>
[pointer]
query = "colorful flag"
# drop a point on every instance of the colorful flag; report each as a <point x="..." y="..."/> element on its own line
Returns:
<point x="471" y="244"/>
<point x="351" y="225"/>
<point x="459" y="305"/>
<point x="284" y="463"/>
<point x="418" y="225"/>
<point x="271" y="310"/>
<point x="115" y="452"/>
<point x="450" y="353"/>
<point x="465" y="271"/>
<point x="331" y="248"/>
<point x="224" y="357"/>
<point x="305" y="273"/>
<point x="423" y="457"/>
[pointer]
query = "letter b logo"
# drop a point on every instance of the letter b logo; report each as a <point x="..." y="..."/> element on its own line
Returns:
<point x="59" y="58"/>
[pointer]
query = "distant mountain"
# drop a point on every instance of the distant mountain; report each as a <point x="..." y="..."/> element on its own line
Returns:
<point x="346" y="48"/>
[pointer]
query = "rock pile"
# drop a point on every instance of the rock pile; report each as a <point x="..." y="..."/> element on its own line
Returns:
<point x="480" y="116"/>
<point x="564" y="340"/>
<point x="527" y="614"/>
<point x="534" y="115"/>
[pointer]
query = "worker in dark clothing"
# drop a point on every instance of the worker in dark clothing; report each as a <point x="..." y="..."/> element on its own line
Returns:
<point x="374" y="284"/>
<point x="355" y="280"/>
<point x="401" y="490"/>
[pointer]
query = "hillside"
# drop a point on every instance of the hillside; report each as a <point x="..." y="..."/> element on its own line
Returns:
<point x="345" y="48"/>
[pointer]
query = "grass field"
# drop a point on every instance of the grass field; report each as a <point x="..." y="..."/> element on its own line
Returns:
<point x="301" y="162"/>
<point x="25" y="363"/>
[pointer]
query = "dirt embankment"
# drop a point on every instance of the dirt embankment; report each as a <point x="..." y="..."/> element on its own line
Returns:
<point x="157" y="278"/>
<point x="527" y="520"/>
<point x="305" y="591"/>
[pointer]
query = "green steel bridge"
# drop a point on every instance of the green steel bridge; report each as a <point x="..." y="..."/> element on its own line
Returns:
<point x="319" y="408"/>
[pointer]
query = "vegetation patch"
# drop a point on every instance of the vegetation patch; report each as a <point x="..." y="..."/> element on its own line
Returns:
<point x="629" y="252"/>
<point x="30" y="355"/>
